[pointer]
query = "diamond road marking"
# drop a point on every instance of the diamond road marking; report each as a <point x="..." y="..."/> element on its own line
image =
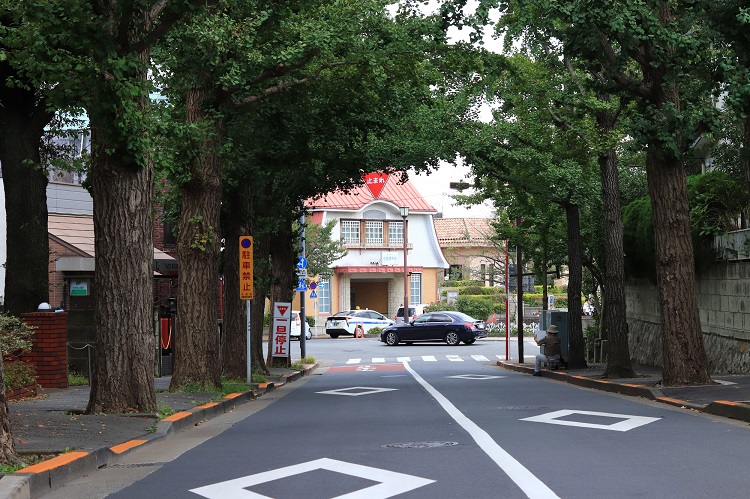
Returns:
<point x="429" y="358"/>
<point x="723" y="382"/>
<point x="354" y="361"/>
<point x="476" y="376"/>
<point x="390" y="483"/>
<point x="454" y="358"/>
<point x="403" y="359"/>
<point x="356" y="391"/>
<point x="480" y="358"/>
<point x="626" y="422"/>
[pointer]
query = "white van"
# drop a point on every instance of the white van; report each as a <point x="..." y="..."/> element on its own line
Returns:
<point x="414" y="312"/>
<point x="296" y="329"/>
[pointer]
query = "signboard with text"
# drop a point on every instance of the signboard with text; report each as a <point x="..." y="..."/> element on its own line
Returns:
<point x="246" y="268"/>
<point x="282" y="322"/>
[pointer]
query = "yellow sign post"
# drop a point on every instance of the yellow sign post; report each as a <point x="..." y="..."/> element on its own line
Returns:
<point x="246" y="268"/>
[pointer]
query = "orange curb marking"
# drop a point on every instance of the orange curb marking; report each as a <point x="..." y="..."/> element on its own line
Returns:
<point x="674" y="401"/>
<point x="49" y="464"/>
<point x="264" y="385"/>
<point x="232" y="395"/>
<point x="579" y="377"/>
<point x="727" y="402"/>
<point x="632" y="385"/>
<point x="119" y="449"/>
<point x="177" y="416"/>
<point x="206" y="406"/>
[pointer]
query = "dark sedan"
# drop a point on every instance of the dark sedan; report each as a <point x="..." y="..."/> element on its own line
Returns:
<point x="450" y="327"/>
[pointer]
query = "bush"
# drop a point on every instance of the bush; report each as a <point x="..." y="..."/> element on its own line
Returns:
<point x="375" y="331"/>
<point x="15" y="335"/>
<point x="18" y="374"/>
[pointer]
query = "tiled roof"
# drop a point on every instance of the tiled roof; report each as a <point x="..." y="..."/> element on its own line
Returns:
<point x="399" y="194"/>
<point x="463" y="231"/>
<point x="77" y="232"/>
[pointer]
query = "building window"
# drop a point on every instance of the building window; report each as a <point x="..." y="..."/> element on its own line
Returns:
<point x="324" y="295"/>
<point x="374" y="233"/>
<point x="170" y="239"/>
<point x="396" y="233"/>
<point x="350" y="231"/>
<point x="415" y="289"/>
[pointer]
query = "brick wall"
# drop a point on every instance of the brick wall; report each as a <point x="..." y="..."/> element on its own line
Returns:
<point x="49" y="353"/>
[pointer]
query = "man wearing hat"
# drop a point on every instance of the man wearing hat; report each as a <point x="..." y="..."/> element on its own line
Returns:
<point x="551" y="344"/>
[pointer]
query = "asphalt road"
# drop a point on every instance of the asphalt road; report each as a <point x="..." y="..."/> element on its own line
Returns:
<point x="432" y="421"/>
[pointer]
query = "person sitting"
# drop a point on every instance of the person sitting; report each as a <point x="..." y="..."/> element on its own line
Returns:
<point x="551" y="344"/>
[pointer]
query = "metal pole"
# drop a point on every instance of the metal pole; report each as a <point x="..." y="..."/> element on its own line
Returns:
<point x="406" y="272"/>
<point x="249" y="343"/>
<point x="507" y="304"/>
<point x="519" y="281"/>
<point x="303" y="319"/>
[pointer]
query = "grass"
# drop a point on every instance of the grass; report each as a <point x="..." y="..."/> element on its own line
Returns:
<point x="300" y="364"/>
<point x="77" y="379"/>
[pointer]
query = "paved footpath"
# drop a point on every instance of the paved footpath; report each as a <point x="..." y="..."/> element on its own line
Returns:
<point x="54" y="424"/>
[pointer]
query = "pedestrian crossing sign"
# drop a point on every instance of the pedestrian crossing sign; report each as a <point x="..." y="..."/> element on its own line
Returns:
<point x="313" y="294"/>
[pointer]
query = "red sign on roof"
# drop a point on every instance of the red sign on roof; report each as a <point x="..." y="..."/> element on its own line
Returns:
<point x="375" y="182"/>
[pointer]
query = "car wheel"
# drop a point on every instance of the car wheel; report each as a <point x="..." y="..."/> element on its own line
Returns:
<point x="308" y="336"/>
<point x="469" y="342"/>
<point x="333" y="335"/>
<point x="391" y="339"/>
<point x="451" y="338"/>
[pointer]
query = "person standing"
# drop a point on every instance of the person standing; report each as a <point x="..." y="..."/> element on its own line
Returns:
<point x="551" y="344"/>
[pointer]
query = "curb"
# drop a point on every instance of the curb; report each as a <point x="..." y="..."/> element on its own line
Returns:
<point x="42" y="478"/>
<point x="724" y="408"/>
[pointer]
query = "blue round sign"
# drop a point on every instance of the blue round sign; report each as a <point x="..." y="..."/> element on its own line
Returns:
<point x="313" y="285"/>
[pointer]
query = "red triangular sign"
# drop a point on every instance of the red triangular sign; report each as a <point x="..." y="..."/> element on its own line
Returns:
<point x="375" y="182"/>
<point x="282" y="309"/>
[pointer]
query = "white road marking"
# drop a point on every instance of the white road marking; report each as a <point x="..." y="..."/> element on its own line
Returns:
<point x="529" y="484"/>
<point x="356" y="391"/>
<point x="429" y="358"/>
<point x="480" y="358"/>
<point x="354" y="361"/>
<point x="365" y="368"/>
<point x="403" y="359"/>
<point x="476" y="376"/>
<point x="389" y="483"/>
<point x="378" y="360"/>
<point x="626" y="422"/>
<point x="723" y="382"/>
<point x="454" y="358"/>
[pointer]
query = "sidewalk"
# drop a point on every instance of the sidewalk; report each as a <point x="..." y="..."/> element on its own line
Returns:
<point x="54" y="426"/>
<point x="729" y="396"/>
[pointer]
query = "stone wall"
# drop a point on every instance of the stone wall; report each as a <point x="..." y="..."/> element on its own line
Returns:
<point x="724" y="302"/>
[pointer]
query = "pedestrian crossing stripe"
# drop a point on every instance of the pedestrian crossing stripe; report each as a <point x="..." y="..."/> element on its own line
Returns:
<point x="423" y="358"/>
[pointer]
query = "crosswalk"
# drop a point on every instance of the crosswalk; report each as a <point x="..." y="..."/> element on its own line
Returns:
<point x="425" y="358"/>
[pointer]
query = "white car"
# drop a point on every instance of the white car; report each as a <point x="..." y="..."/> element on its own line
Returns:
<point x="414" y="312"/>
<point x="296" y="329"/>
<point x="347" y="321"/>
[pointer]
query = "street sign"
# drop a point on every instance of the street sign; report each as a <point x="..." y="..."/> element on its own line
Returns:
<point x="246" y="268"/>
<point x="301" y="286"/>
<point x="313" y="294"/>
<point x="302" y="262"/>
<point x="301" y="272"/>
<point x="313" y="285"/>
<point x="281" y="325"/>
<point x="551" y="300"/>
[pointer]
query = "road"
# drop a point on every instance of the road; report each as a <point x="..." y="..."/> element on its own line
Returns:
<point x="432" y="421"/>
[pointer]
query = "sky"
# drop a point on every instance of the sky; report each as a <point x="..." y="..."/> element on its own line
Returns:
<point x="435" y="188"/>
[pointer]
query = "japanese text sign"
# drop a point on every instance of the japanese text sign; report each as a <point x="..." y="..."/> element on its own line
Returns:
<point x="246" y="268"/>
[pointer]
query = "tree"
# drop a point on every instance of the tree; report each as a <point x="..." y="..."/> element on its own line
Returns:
<point x="96" y="55"/>
<point x="23" y="117"/>
<point x="320" y="250"/>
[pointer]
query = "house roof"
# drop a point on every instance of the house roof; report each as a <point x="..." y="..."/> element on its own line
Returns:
<point x="77" y="232"/>
<point x="464" y="231"/>
<point x="399" y="194"/>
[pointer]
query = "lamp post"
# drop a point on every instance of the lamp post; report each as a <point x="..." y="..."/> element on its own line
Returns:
<point x="405" y="213"/>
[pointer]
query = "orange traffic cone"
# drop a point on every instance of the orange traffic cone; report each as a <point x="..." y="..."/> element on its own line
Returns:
<point x="359" y="331"/>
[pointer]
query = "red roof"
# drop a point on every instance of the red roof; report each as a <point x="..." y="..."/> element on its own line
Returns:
<point x="399" y="194"/>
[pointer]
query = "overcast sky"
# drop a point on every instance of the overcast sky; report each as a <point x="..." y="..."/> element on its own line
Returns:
<point x="435" y="188"/>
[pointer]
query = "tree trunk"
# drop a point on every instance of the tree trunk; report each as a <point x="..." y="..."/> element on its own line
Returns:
<point x="197" y="343"/>
<point x="283" y="257"/>
<point x="123" y="377"/>
<point x="576" y="349"/>
<point x="613" y="315"/>
<point x="684" y="353"/>
<point x="22" y="120"/>
<point x="234" y="332"/>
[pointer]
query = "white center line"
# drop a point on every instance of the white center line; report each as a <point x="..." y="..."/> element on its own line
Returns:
<point x="429" y="358"/>
<point x="354" y="361"/>
<point x="454" y="358"/>
<point x="527" y="481"/>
